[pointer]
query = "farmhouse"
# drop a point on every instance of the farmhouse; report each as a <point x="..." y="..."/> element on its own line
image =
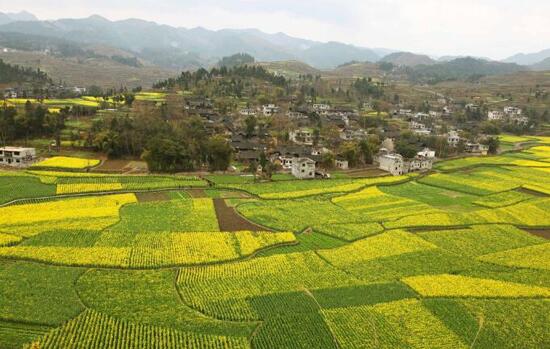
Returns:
<point x="419" y="163"/>
<point x="321" y="108"/>
<point x="495" y="115"/>
<point x="248" y="112"/>
<point x="303" y="168"/>
<point x="475" y="148"/>
<point x="512" y="111"/>
<point x="396" y="165"/>
<point x="453" y="138"/>
<point x="427" y="153"/>
<point x="341" y="163"/>
<point x="295" y="115"/>
<point x="301" y="136"/>
<point x="269" y="109"/>
<point x="17" y="156"/>
<point x="519" y="120"/>
<point x="390" y="162"/>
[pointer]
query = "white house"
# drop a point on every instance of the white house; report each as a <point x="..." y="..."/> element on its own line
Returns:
<point x="17" y="156"/>
<point x="341" y="163"/>
<point x="512" y="111"/>
<point x="301" y="136"/>
<point x="396" y="165"/>
<point x="427" y="153"/>
<point x="270" y="109"/>
<point x="303" y="168"/>
<point x="453" y="138"/>
<point x="391" y="162"/>
<point x="476" y="148"/>
<point x="519" y="120"/>
<point x="247" y="112"/>
<point x="320" y="108"/>
<point x="421" y="116"/>
<point x="295" y="115"/>
<point x="495" y="115"/>
<point x="419" y="163"/>
<point x="287" y="161"/>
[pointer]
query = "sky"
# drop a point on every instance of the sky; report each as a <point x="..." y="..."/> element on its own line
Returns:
<point x="484" y="28"/>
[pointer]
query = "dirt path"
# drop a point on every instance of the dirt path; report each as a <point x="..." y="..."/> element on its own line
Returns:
<point x="229" y="220"/>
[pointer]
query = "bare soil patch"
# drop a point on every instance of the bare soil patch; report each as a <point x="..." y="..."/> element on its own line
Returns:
<point x="113" y="165"/>
<point x="230" y="220"/>
<point x="151" y="197"/>
<point x="366" y="172"/>
<point x="543" y="233"/>
<point x="196" y="193"/>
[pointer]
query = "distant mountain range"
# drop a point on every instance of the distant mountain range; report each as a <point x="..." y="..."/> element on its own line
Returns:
<point x="6" y="18"/>
<point x="178" y="48"/>
<point x="529" y="58"/>
<point x="137" y="52"/>
<point x="181" y="48"/>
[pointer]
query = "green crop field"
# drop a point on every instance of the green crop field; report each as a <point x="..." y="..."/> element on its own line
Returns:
<point x="457" y="258"/>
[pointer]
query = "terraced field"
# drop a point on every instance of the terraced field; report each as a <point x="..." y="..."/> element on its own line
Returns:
<point x="454" y="259"/>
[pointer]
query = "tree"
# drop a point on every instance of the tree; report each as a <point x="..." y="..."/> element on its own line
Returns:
<point x="406" y="149"/>
<point x="167" y="155"/>
<point x="327" y="160"/>
<point x="366" y="151"/>
<point x="219" y="153"/>
<point x="250" y="126"/>
<point x="349" y="152"/>
<point x="493" y="143"/>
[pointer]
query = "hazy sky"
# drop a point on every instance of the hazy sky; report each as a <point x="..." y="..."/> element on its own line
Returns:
<point x="491" y="28"/>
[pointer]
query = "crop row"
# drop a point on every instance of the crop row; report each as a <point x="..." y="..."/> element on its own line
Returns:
<point x="97" y="331"/>
<point x="154" y="250"/>
<point x="223" y="290"/>
<point x="462" y="286"/>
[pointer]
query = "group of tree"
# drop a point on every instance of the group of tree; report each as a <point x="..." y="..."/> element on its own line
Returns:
<point x="188" y="79"/>
<point x="16" y="74"/>
<point x="166" y="146"/>
<point x="32" y="122"/>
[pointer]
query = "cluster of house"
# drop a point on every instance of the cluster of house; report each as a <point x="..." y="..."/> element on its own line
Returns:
<point x="511" y="114"/>
<point x="453" y="139"/>
<point x="50" y="91"/>
<point x="265" y="110"/>
<point x="17" y="156"/>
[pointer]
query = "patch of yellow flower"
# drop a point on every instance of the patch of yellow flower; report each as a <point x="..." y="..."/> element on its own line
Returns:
<point x="8" y="239"/>
<point x="58" y="210"/>
<point x="388" y="244"/>
<point x="463" y="286"/>
<point x="67" y="162"/>
<point x="87" y="187"/>
<point x="535" y="257"/>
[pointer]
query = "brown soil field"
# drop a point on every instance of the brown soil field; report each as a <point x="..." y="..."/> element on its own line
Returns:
<point x="113" y="165"/>
<point x="230" y="220"/>
<point x="543" y="233"/>
<point x="196" y="193"/>
<point x="150" y="197"/>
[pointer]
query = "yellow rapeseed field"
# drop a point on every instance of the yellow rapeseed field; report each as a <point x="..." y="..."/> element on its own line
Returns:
<point x="67" y="162"/>
<point x="462" y="286"/>
<point x="89" y="207"/>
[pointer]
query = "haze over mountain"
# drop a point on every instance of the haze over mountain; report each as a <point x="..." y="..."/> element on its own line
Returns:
<point x="529" y="58"/>
<point x="156" y="42"/>
<point x="407" y="59"/>
<point x="14" y="17"/>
